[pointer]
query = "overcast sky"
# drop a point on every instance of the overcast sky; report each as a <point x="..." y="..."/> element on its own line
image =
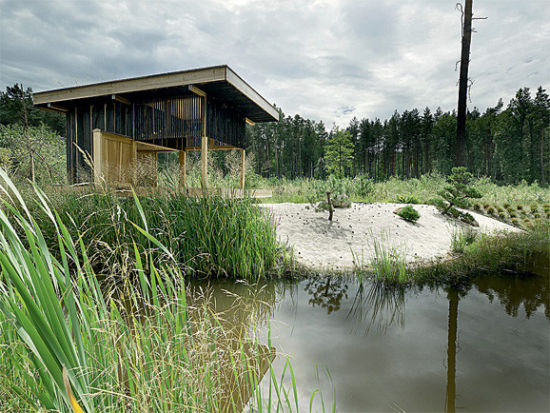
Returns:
<point x="327" y="60"/>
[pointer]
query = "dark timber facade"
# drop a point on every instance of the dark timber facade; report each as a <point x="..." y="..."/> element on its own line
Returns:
<point x="191" y="110"/>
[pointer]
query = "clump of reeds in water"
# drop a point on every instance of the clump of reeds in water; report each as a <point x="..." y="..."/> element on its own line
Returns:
<point x="142" y="349"/>
<point x="388" y="263"/>
<point x="206" y="235"/>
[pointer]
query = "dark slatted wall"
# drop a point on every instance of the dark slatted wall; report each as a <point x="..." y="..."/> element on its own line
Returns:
<point x="173" y="122"/>
<point x="225" y="124"/>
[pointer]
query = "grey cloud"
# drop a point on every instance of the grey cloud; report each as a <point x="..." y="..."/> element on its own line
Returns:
<point x="315" y="58"/>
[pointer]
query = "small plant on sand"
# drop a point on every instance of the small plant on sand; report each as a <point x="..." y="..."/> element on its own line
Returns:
<point x="490" y="210"/>
<point x="408" y="213"/>
<point x="328" y="196"/>
<point x="477" y="206"/>
<point x="457" y="193"/>
<point x="534" y="208"/>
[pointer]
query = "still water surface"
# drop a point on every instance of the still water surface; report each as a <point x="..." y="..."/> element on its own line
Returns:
<point x="484" y="349"/>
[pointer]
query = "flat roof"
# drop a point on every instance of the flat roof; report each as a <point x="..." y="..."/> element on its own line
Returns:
<point x="218" y="81"/>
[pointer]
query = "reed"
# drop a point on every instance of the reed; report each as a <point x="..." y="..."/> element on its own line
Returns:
<point x="206" y="236"/>
<point x="139" y="348"/>
<point x="388" y="264"/>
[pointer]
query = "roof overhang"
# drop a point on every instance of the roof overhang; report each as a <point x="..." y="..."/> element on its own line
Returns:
<point x="219" y="81"/>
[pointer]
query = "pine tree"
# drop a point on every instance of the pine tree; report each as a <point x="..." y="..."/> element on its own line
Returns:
<point x="339" y="153"/>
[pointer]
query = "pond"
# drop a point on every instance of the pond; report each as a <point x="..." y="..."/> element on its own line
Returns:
<point x="483" y="349"/>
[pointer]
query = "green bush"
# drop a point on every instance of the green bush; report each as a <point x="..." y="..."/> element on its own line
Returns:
<point x="408" y="213"/>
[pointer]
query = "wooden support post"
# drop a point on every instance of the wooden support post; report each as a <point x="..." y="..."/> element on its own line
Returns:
<point x="204" y="163"/>
<point x="183" y="171"/>
<point x="133" y="164"/>
<point x="243" y="159"/>
<point x="97" y="161"/>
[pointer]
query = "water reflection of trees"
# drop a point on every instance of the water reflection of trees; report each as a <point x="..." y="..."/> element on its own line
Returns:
<point x="372" y="301"/>
<point x="327" y="292"/>
<point x="382" y="306"/>
<point x="531" y="292"/>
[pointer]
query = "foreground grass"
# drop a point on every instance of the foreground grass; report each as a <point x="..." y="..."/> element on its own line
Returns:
<point x="142" y="349"/>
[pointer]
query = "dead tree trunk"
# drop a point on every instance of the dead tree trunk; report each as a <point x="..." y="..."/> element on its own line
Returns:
<point x="460" y="153"/>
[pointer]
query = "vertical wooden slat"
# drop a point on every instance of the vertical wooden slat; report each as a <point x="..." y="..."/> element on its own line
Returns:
<point x="204" y="163"/>
<point x="105" y="117"/>
<point x="114" y="118"/>
<point x="97" y="138"/>
<point x="133" y="164"/>
<point x="68" y="147"/>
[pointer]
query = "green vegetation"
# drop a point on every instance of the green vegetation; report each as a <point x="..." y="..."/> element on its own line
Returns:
<point x="339" y="153"/>
<point x="457" y="194"/>
<point x="408" y="213"/>
<point x="205" y="236"/>
<point x="508" y="143"/>
<point x="139" y="348"/>
<point x="461" y="239"/>
<point x="486" y="255"/>
<point x="33" y="153"/>
<point x="388" y="265"/>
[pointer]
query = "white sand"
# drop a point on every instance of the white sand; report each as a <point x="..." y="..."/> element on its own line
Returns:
<point x="321" y="244"/>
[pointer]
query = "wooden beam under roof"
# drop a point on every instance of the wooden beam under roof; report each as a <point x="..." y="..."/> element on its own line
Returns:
<point x="121" y="99"/>
<point x="55" y="108"/>
<point x="196" y="90"/>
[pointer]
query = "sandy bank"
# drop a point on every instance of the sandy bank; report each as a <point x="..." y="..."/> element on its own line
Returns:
<point x="320" y="244"/>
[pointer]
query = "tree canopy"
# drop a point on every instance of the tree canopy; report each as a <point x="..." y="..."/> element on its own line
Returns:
<point x="508" y="144"/>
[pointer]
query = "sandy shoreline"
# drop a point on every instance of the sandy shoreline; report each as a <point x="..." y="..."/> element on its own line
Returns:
<point x="320" y="244"/>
